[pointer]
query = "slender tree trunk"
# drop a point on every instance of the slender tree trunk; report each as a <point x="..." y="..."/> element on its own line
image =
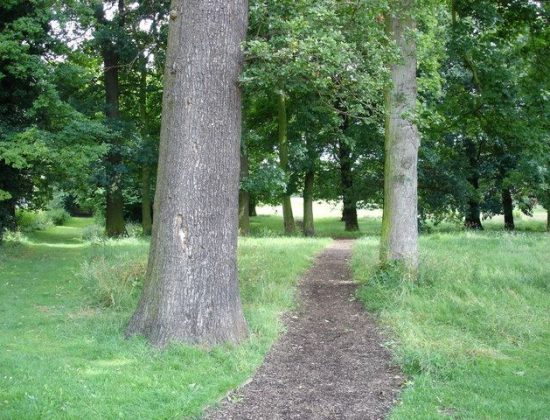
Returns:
<point x="508" y="207"/>
<point x="309" y="228"/>
<point x="288" y="217"/>
<point x="472" y="219"/>
<point x="244" y="198"/>
<point x="548" y="221"/>
<point x="399" y="241"/>
<point x="146" y="217"/>
<point x="349" y="211"/>
<point x="7" y="215"/>
<point x="252" y="206"/>
<point x="114" y="212"/>
<point x="191" y="291"/>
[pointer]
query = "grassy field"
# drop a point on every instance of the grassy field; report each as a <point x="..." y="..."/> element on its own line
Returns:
<point x="62" y="355"/>
<point x="473" y="335"/>
<point x="269" y="222"/>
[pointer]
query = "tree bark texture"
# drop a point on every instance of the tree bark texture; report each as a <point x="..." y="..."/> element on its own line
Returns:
<point x="288" y="216"/>
<point x="508" y="209"/>
<point x="349" y="211"/>
<point x="114" y="212"/>
<point x="146" y="216"/>
<point x="399" y="241"/>
<point x="146" y="205"/>
<point x="191" y="291"/>
<point x="309" y="227"/>
<point x="244" y="198"/>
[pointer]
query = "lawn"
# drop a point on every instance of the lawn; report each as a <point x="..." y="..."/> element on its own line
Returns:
<point x="473" y="334"/>
<point x="269" y="222"/>
<point x="62" y="354"/>
<point x="325" y="227"/>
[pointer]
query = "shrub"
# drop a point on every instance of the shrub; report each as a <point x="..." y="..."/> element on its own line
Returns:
<point x="93" y="233"/>
<point x="134" y="230"/>
<point x="29" y="221"/>
<point x="114" y="282"/>
<point x="58" y="216"/>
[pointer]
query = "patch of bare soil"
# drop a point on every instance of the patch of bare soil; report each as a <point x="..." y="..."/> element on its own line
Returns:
<point x="330" y="364"/>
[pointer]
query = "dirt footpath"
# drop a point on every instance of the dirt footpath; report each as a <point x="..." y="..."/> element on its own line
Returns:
<point x="330" y="364"/>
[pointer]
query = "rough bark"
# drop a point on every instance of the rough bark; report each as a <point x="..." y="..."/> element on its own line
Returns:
<point x="146" y="217"/>
<point x="508" y="208"/>
<point x="309" y="228"/>
<point x="349" y="210"/>
<point x="146" y="205"/>
<point x="288" y="217"/>
<point x="244" y="199"/>
<point x="191" y="291"/>
<point x="114" y="212"/>
<point x="399" y="241"/>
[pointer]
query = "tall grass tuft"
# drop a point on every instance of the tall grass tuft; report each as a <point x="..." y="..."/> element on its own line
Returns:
<point x="114" y="281"/>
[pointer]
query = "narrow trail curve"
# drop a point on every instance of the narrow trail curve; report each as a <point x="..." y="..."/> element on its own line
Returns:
<point x="330" y="363"/>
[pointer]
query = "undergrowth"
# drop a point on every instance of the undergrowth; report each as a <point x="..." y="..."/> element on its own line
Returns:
<point x="472" y="333"/>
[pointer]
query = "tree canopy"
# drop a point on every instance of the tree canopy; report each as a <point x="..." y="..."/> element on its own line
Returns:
<point x="81" y="86"/>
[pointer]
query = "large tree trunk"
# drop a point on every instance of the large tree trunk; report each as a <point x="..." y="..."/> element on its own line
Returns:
<point x="146" y="207"/>
<point x="309" y="228"/>
<point x="114" y="212"/>
<point x="288" y="217"/>
<point x="146" y="217"/>
<point x="349" y="211"/>
<point x="399" y="241"/>
<point x="191" y="291"/>
<point x="472" y="219"/>
<point x="244" y="198"/>
<point x="508" y="207"/>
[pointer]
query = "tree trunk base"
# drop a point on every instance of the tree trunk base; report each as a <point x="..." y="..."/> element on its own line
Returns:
<point x="349" y="216"/>
<point x="473" y="225"/>
<point x="160" y="332"/>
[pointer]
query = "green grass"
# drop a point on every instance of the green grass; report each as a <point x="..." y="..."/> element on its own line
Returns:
<point x="328" y="227"/>
<point x="473" y="334"/>
<point x="63" y="356"/>
<point x="332" y="227"/>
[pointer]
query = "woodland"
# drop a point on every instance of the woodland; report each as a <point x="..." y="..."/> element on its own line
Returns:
<point x="182" y="182"/>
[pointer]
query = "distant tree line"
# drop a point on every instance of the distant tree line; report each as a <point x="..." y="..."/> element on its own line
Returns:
<point x="429" y="110"/>
<point x="81" y="87"/>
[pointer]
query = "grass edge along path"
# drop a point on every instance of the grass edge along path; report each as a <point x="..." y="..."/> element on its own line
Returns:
<point x="62" y="355"/>
<point x="472" y="335"/>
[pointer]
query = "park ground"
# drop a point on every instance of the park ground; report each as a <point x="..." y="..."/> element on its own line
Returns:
<point x="471" y="336"/>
